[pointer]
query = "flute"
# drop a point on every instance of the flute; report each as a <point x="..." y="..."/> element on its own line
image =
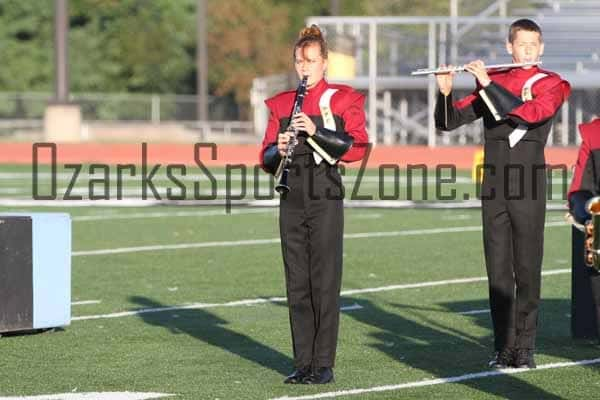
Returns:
<point x="445" y="70"/>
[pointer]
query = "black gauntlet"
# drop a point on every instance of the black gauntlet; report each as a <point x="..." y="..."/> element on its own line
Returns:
<point x="443" y="108"/>
<point x="336" y="144"/>
<point x="271" y="158"/>
<point x="499" y="100"/>
<point x="577" y="202"/>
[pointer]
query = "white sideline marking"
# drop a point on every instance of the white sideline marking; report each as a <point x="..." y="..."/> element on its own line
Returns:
<point x="85" y="302"/>
<point x="234" y="177"/>
<point x="251" y="302"/>
<point x="126" y="202"/>
<point x="104" y="217"/>
<point x="150" y="202"/>
<point x="235" y="243"/>
<point x="12" y="190"/>
<point x="131" y="192"/>
<point x="84" y="175"/>
<point x="440" y="381"/>
<point x="92" y="396"/>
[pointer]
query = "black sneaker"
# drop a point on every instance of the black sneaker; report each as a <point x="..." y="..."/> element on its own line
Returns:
<point x="524" y="359"/>
<point x="503" y="359"/>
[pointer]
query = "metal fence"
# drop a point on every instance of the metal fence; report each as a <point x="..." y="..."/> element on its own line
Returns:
<point x="105" y="106"/>
<point x="24" y="112"/>
<point x="400" y="107"/>
<point x="384" y="50"/>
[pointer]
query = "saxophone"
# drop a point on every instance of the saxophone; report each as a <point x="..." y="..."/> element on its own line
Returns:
<point x="592" y="233"/>
<point x="284" y="166"/>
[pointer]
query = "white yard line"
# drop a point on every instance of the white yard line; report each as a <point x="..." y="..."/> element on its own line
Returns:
<point x="125" y="202"/>
<point x="236" y="243"/>
<point x="125" y="216"/>
<point x="136" y="192"/>
<point x="544" y="273"/>
<point x="252" y="302"/>
<point x="365" y="216"/>
<point x="92" y="396"/>
<point x="174" y="247"/>
<point x="235" y="176"/>
<point x="13" y="190"/>
<point x="474" y="312"/>
<point x="440" y="381"/>
<point x="182" y="307"/>
<point x="85" y="302"/>
<point x="554" y="205"/>
<point x="457" y="217"/>
<point x="353" y="307"/>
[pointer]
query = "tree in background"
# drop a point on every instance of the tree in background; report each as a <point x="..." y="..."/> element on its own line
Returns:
<point x="246" y="39"/>
<point x="148" y="46"/>
<point x="25" y="39"/>
<point x="114" y="45"/>
<point x="132" y="45"/>
<point x="253" y="38"/>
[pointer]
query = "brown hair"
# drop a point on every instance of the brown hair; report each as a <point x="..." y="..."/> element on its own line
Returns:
<point x="309" y="36"/>
<point x="523" y="24"/>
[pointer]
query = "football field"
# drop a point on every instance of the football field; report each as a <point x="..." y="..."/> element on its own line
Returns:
<point x="189" y="301"/>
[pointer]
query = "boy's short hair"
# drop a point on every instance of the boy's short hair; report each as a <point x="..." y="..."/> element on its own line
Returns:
<point x="523" y="24"/>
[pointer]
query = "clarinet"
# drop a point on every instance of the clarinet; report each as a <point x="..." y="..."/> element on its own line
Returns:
<point x="284" y="167"/>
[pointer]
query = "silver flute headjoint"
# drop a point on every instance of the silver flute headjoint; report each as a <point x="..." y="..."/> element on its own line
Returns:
<point x="461" y="68"/>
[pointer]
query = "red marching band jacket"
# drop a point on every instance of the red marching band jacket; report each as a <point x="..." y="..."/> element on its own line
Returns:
<point x="587" y="169"/>
<point x="547" y="94"/>
<point x="347" y="107"/>
<point x="586" y="178"/>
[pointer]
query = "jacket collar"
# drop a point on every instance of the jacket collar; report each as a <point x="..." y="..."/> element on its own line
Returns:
<point x="524" y="73"/>
<point x="318" y="89"/>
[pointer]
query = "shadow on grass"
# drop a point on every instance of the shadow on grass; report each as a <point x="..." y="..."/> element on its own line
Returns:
<point x="422" y="338"/>
<point x="211" y="329"/>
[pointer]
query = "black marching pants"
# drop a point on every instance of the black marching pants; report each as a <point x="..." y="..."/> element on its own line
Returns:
<point x="595" y="284"/>
<point x="513" y="209"/>
<point x="311" y="223"/>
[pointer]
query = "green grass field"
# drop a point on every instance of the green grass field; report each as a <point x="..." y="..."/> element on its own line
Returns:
<point x="410" y="315"/>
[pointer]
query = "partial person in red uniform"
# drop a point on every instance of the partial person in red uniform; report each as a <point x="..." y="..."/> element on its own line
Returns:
<point x="311" y="214"/>
<point x="584" y="186"/>
<point x="517" y="106"/>
<point x="586" y="177"/>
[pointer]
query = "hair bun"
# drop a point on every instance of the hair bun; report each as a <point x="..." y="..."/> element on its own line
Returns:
<point x="312" y="31"/>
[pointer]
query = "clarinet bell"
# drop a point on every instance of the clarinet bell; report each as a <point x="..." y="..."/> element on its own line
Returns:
<point x="282" y="186"/>
<point x="282" y="189"/>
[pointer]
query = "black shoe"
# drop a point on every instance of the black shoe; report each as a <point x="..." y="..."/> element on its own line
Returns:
<point x="524" y="359"/>
<point x="504" y="358"/>
<point x="298" y="375"/>
<point x="319" y="376"/>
